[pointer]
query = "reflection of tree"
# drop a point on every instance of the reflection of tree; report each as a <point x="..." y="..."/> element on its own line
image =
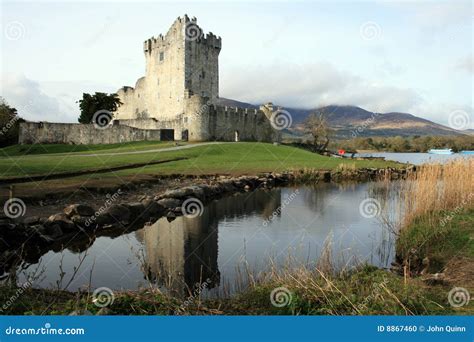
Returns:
<point x="183" y="252"/>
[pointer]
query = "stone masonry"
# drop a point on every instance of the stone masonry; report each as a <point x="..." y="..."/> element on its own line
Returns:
<point x="180" y="89"/>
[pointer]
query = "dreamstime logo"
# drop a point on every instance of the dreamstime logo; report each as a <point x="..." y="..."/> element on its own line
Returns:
<point x="370" y="30"/>
<point x="361" y="128"/>
<point x="458" y="296"/>
<point x="9" y="125"/>
<point x="277" y="211"/>
<point x="281" y="119"/>
<point x="21" y="289"/>
<point x="198" y="289"/>
<point x="193" y="32"/>
<point x="192" y="207"/>
<point x="370" y="208"/>
<point x="108" y="202"/>
<point x="459" y="119"/>
<point x="281" y="297"/>
<point x="14" y="208"/>
<point x="102" y="297"/>
<point x="450" y="215"/>
<point x="15" y="30"/>
<point x="102" y="119"/>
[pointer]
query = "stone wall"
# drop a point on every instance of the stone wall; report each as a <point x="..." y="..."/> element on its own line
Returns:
<point x="204" y="121"/>
<point x="63" y="133"/>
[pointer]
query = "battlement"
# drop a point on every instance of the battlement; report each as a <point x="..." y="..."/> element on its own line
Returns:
<point x="183" y="28"/>
<point x="228" y="110"/>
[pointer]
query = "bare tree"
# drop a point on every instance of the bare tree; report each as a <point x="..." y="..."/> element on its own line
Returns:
<point x="316" y="125"/>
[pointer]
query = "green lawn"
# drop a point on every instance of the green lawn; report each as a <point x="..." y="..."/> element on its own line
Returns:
<point x="21" y="150"/>
<point x="231" y="158"/>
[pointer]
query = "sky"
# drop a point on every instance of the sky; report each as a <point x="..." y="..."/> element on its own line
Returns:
<point x="384" y="56"/>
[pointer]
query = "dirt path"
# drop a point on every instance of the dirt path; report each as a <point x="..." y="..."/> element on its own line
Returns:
<point x="166" y="149"/>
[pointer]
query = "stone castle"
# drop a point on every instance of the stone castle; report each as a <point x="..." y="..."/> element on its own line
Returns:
<point x="180" y="91"/>
<point x="177" y="99"/>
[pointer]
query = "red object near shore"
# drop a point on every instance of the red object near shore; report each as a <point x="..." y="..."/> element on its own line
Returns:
<point x="341" y="152"/>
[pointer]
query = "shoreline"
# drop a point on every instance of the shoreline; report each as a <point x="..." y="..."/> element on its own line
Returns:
<point x="389" y="291"/>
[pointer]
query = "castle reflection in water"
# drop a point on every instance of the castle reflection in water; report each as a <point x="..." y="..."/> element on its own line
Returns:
<point x="182" y="253"/>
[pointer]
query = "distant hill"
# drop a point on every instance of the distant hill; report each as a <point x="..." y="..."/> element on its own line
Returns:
<point x="469" y="131"/>
<point x="348" y="121"/>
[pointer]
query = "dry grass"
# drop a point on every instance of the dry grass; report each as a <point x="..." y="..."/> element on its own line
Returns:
<point x="346" y="167"/>
<point x="434" y="206"/>
<point x="435" y="188"/>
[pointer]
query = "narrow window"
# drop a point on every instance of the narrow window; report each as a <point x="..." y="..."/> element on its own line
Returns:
<point x="162" y="56"/>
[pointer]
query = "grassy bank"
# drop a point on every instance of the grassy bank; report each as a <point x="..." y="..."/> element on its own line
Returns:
<point x="367" y="291"/>
<point x="36" y="149"/>
<point x="230" y="158"/>
<point x="437" y="225"/>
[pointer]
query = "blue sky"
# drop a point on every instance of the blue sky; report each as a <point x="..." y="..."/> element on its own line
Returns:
<point x="383" y="56"/>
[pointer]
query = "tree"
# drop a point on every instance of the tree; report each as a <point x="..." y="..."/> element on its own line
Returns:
<point x="9" y="124"/>
<point x="91" y="104"/>
<point x="316" y="125"/>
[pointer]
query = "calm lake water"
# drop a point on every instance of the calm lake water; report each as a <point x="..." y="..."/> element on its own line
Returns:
<point x="232" y="234"/>
<point x="416" y="158"/>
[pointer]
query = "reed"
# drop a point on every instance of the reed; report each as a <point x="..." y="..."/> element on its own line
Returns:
<point x="436" y="188"/>
<point x="434" y="203"/>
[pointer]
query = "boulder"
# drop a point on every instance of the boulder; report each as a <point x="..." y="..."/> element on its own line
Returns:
<point x="83" y="221"/>
<point x="177" y="193"/>
<point x="170" y="202"/>
<point x="62" y="221"/>
<point x="196" y="191"/>
<point x="119" y="212"/>
<point x="12" y="235"/>
<point x="79" y="209"/>
<point x="51" y="232"/>
<point x="31" y="220"/>
<point x="152" y="208"/>
<point x="136" y="209"/>
<point x="227" y="186"/>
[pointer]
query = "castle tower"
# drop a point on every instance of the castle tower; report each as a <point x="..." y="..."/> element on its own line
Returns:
<point x="183" y="62"/>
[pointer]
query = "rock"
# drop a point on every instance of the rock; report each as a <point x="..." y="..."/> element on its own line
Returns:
<point x="12" y="235"/>
<point x="119" y="212"/>
<point x="170" y="202"/>
<point x="136" y="209"/>
<point x="171" y="216"/>
<point x="82" y="221"/>
<point x="178" y="193"/>
<point x="152" y="208"/>
<point x="102" y="219"/>
<point x="227" y="186"/>
<point x="62" y="220"/>
<point x="31" y="220"/>
<point x="197" y="191"/>
<point x="79" y="209"/>
<point x="247" y="188"/>
<point x="52" y="231"/>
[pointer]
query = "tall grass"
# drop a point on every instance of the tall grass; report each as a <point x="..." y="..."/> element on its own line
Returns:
<point x="431" y="202"/>
<point x="436" y="188"/>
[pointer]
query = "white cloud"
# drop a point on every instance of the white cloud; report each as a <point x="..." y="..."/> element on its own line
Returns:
<point x="29" y="99"/>
<point x="47" y="101"/>
<point x="312" y="86"/>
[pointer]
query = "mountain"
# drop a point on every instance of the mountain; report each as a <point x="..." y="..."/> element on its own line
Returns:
<point x="350" y="121"/>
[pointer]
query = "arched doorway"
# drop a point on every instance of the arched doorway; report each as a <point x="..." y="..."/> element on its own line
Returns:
<point x="236" y="136"/>
<point x="184" y="135"/>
